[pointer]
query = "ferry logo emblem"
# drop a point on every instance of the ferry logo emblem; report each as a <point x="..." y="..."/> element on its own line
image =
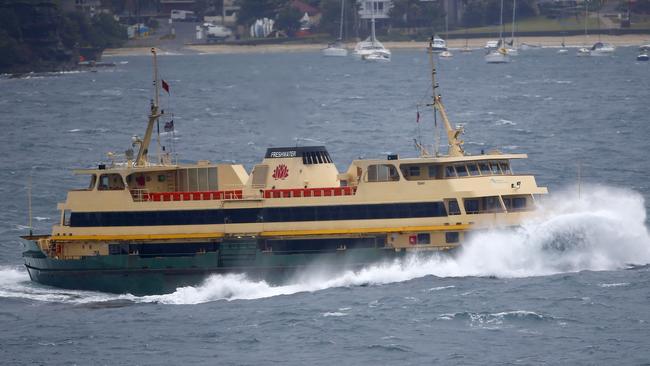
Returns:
<point x="413" y="239"/>
<point x="280" y="172"/>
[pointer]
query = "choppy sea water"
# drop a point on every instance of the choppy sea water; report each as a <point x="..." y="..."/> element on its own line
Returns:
<point x="570" y="287"/>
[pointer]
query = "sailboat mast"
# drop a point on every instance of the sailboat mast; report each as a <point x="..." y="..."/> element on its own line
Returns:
<point x="446" y="26"/>
<point x="586" y="15"/>
<point x="341" y="25"/>
<point x="501" y="24"/>
<point x="512" y="31"/>
<point x="372" y="23"/>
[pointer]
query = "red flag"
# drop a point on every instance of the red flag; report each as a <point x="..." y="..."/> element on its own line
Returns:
<point x="417" y="117"/>
<point x="165" y="86"/>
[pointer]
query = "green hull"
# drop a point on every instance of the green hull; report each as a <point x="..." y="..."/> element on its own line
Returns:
<point x="145" y="275"/>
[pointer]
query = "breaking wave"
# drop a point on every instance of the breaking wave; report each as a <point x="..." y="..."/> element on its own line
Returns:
<point x="604" y="229"/>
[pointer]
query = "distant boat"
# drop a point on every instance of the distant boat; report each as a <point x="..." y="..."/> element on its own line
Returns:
<point x="376" y="57"/>
<point x="643" y="53"/>
<point x="491" y="44"/>
<point x="584" y="51"/>
<point x="602" y="49"/>
<point x="446" y="54"/>
<point x="337" y="48"/>
<point x="372" y="47"/>
<point x="500" y="55"/>
<point x="439" y="44"/>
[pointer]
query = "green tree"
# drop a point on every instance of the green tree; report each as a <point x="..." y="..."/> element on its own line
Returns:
<point x="417" y="14"/>
<point x="331" y="16"/>
<point x="288" y="19"/>
<point x="252" y="10"/>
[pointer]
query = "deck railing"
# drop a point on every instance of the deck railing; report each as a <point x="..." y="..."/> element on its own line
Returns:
<point x="143" y="195"/>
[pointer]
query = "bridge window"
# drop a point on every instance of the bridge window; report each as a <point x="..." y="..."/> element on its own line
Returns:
<point x="433" y="171"/>
<point x="452" y="206"/>
<point x="110" y="182"/>
<point x="382" y="173"/>
<point x="419" y="171"/>
<point x="494" y="167"/>
<point x="197" y="179"/>
<point x="93" y="181"/>
<point x="505" y="167"/>
<point x="473" y="169"/>
<point x="480" y="205"/>
<point x="461" y="170"/>
<point x="518" y="203"/>
<point x="485" y="168"/>
<point x="450" y="172"/>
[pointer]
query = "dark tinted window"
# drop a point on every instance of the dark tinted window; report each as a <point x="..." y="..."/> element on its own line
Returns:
<point x="453" y="207"/>
<point x="485" y="168"/>
<point x="461" y="170"/>
<point x="452" y="237"/>
<point x="424" y="238"/>
<point x="473" y="169"/>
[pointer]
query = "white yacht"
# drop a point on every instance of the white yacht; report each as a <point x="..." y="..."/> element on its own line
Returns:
<point x="446" y="54"/>
<point x="583" y="52"/>
<point x="602" y="49"/>
<point x="335" y="49"/>
<point x="439" y="44"/>
<point x="491" y="45"/>
<point x="371" y="49"/>
<point x="500" y="54"/>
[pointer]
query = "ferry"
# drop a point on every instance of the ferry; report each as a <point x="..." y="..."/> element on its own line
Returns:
<point x="149" y="225"/>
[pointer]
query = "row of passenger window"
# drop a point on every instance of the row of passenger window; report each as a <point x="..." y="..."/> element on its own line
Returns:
<point x="389" y="173"/>
<point x="490" y="204"/>
<point x="255" y="215"/>
<point x="476" y="169"/>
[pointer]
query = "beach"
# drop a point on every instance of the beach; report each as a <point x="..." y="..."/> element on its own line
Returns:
<point x="572" y="41"/>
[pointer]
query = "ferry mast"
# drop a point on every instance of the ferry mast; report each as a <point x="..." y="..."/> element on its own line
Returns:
<point x="455" y="144"/>
<point x="142" y="158"/>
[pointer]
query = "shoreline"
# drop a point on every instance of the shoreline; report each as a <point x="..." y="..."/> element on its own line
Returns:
<point x="475" y="43"/>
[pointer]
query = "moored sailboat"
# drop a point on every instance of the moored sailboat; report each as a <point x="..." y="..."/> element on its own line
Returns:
<point x="371" y="49"/>
<point x="499" y="55"/>
<point x="337" y="48"/>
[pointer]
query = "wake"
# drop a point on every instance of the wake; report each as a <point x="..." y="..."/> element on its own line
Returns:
<point x="604" y="229"/>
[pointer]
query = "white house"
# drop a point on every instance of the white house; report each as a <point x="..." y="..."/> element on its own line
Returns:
<point x="381" y="8"/>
